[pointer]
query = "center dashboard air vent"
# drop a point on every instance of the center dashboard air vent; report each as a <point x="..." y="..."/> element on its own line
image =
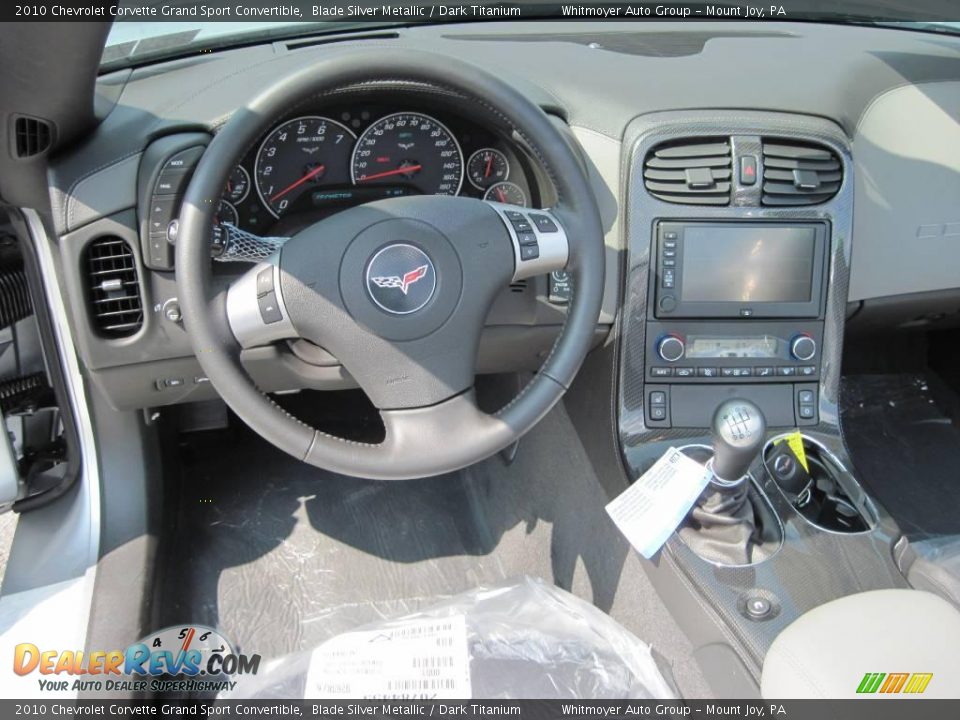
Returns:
<point x="798" y="173"/>
<point x="690" y="172"/>
<point x="114" y="291"/>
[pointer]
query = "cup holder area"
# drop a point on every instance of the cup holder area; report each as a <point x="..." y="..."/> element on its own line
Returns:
<point x="818" y="494"/>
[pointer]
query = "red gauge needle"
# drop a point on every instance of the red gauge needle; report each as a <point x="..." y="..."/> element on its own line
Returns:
<point x="388" y="173"/>
<point x="502" y="195"/>
<point x="313" y="173"/>
<point x="486" y="172"/>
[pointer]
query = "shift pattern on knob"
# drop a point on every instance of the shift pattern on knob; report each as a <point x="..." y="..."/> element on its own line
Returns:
<point x="739" y="428"/>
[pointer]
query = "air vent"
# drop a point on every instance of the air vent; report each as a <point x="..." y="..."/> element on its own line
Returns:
<point x="519" y="286"/>
<point x="799" y="173"/>
<point x="692" y="172"/>
<point x="114" y="291"/>
<point x="32" y="136"/>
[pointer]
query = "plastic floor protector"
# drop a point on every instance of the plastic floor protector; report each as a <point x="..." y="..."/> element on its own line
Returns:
<point x="281" y="557"/>
<point x="905" y="450"/>
<point x="525" y="639"/>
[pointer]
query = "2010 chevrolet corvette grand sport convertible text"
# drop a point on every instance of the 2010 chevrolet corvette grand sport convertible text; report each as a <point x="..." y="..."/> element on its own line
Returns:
<point x="556" y="365"/>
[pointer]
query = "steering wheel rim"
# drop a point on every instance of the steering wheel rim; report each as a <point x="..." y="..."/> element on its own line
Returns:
<point x="441" y="436"/>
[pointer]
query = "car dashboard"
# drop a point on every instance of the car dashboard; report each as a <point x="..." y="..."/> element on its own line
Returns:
<point x="883" y="204"/>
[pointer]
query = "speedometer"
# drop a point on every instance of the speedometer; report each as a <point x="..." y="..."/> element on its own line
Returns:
<point x="299" y="155"/>
<point x="409" y="149"/>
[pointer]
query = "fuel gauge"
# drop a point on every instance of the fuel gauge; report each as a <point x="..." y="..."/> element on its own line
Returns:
<point x="238" y="185"/>
<point x="506" y="192"/>
<point x="487" y="167"/>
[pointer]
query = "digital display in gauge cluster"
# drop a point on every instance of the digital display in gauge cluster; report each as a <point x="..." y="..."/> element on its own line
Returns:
<point x="313" y="165"/>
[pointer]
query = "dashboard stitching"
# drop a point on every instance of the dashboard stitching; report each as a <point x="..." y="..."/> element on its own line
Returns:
<point x="68" y="209"/>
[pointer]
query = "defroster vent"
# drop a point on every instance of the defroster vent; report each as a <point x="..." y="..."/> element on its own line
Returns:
<point x="690" y="172"/>
<point x="116" y="306"/>
<point x="798" y="173"/>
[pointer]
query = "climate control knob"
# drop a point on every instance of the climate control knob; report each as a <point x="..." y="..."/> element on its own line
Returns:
<point x="803" y="347"/>
<point x="670" y="348"/>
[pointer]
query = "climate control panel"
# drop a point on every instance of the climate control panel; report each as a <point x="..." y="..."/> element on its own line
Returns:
<point x="709" y="351"/>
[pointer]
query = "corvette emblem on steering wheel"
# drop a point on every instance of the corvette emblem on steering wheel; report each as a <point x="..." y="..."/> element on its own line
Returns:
<point x="403" y="283"/>
<point x="402" y="267"/>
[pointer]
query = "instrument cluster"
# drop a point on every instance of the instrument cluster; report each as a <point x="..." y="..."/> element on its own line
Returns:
<point x="312" y="165"/>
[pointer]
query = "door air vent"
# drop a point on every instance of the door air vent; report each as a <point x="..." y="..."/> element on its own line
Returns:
<point x="798" y="173"/>
<point x="32" y="136"/>
<point x="115" y="301"/>
<point x="690" y="172"/>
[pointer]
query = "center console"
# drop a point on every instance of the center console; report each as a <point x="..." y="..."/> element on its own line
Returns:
<point x="735" y="303"/>
<point x="738" y="243"/>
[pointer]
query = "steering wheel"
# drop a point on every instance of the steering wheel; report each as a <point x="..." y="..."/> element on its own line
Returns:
<point x="398" y="289"/>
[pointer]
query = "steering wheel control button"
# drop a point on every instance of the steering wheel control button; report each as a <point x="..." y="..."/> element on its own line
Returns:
<point x="529" y="251"/>
<point x="269" y="308"/>
<point x="401" y="279"/>
<point x="544" y="223"/>
<point x="264" y="282"/>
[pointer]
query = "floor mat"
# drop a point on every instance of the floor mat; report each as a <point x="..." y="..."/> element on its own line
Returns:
<point x="905" y="449"/>
<point x="281" y="556"/>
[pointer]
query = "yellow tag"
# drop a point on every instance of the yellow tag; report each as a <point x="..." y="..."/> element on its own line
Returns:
<point x="795" y="441"/>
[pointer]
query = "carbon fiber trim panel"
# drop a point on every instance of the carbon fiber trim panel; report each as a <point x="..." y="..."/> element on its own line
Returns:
<point x="813" y="566"/>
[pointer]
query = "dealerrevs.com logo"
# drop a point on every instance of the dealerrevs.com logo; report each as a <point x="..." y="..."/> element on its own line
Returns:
<point x="186" y="658"/>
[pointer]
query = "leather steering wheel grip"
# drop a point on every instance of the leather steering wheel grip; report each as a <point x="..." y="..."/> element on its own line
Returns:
<point x="420" y="441"/>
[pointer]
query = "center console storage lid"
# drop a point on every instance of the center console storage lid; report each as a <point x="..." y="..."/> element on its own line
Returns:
<point x="903" y="635"/>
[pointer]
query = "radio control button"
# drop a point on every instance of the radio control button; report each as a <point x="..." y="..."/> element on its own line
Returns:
<point x="668" y="303"/>
<point x="671" y="348"/>
<point x="661" y="371"/>
<point x="683" y="372"/>
<point x="669" y="253"/>
<point x="669" y="262"/>
<point x="786" y="370"/>
<point x="670" y="235"/>
<point x="763" y="372"/>
<point x="707" y="372"/>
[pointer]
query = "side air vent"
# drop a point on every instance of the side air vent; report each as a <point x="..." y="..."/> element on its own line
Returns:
<point x="519" y="286"/>
<point x="799" y="173"/>
<point x="32" y="136"/>
<point x="691" y="172"/>
<point x="114" y="291"/>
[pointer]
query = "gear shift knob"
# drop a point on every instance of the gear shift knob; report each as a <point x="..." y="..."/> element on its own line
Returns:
<point x="738" y="429"/>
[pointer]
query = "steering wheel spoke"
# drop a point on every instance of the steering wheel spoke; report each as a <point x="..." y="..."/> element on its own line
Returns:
<point x="540" y="243"/>
<point x="255" y="309"/>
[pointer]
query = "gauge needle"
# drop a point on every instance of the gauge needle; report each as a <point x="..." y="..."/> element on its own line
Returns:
<point x="388" y="173"/>
<point x="501" y="194"/>
<point x="316" y="171"/>
<point x="486" y="172"/>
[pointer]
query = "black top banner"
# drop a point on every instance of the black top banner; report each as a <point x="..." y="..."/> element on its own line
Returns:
<point x="420" y="11"/>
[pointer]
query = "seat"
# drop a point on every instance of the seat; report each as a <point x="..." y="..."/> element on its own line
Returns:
<point x="882" y="642"/>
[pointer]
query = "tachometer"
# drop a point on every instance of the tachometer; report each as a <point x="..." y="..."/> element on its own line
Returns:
<point x="409" y="149"/>
<point x="487" y="167"/>
<point x="299" y="155"/>
<point x="506" y="192"/>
